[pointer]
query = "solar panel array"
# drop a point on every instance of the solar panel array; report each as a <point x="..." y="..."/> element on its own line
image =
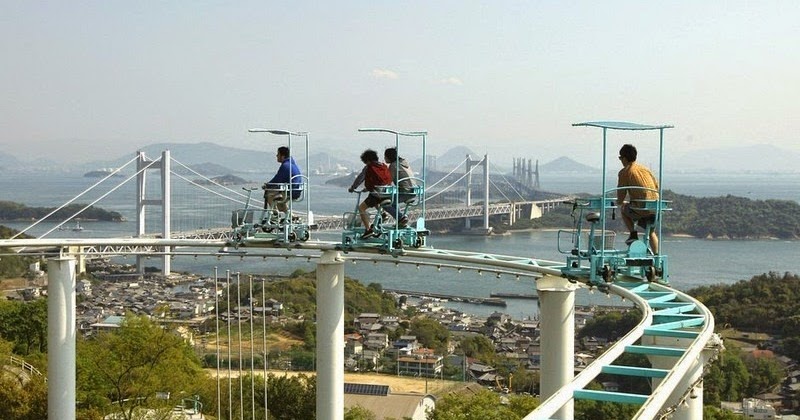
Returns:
<point x="366" y="389"/>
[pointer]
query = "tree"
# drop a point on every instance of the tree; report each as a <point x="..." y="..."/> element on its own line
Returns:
<point x="130" y="366"/>
<point x="430" y="334"/>
<point x="601" y="410"/>
<point x="358" y="413"/>
<point x="296" y="396"/>
<point x="25" y="325"/>
<point x="711" y="412"/>
<point x="765" y="374"/>
<point x="479" y="347"/>
<point x="23" y="397"/>
<point x="484" y="405"/>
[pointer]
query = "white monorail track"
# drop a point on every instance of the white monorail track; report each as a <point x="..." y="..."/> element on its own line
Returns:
<point x="675" y="329"/>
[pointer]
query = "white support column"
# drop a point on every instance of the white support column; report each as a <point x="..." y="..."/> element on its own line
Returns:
<point x="61" y="337"/>
<point x="486" y="192"/>
<point x="141" y="192"/>
<point x="557" y="320"/>
<point x="468" y="182"/>
<point x="330" y="336"/>
<point x="166" y="194"/>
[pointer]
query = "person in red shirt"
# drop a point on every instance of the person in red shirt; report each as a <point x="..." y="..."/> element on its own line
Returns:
<point x="374" y="174"/>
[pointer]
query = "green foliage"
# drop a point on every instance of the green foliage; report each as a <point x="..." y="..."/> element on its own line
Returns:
<point x="25" y="325"/>
<point x="15" y="211"/>
<point x="126" y="367"/>
<point x="23" y="401"/>
<point x="768" y="303"/>
<point x="358" y="413"/>
<point x="484" y="405"/>
<point x="716" y="217"/>
<point x="431" y="334"/>
<point x="287" y="397"/>
<point x="732" y="217"/>
<point x="711" y="412"/>
<point x="627" y="383"/>
<point x="479" y="347"/>
<point x="765" y="374"/>
<point x="13" y="266"/>
<point x="298" y="296"/>
<point x="292" y="397"/>
<point x="600" y="410"/>
<point x="611" y="324"/>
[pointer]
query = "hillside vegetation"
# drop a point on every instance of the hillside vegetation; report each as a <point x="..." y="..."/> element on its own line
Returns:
<point x="13" y="266"/>
<point x="727" y="217"/>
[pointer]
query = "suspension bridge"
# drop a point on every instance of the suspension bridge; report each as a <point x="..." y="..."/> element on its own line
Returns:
<point x="675" y="331"/>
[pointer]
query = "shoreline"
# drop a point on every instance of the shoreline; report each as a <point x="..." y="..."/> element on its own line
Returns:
<point x="671" y="235"/>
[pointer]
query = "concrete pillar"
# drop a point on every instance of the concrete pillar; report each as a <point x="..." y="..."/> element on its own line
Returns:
<point x="468" y="181"/>
<point x="486" y="192"/>
<point x="141" y="191"/>
<point x="557" y="320"/>
<point x="166" y="208"/>
<point x="330" y="336"/>
<point x="61" y="337"/>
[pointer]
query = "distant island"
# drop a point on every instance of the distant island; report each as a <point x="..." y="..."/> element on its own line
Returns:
<point x="726" y="217"/>
<point x="11" y="211"/>
<point x="223" y="180"/>
<point x="99" y="173"/>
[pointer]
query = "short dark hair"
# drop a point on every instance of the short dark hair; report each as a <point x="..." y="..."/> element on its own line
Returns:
<point x="390" y="154"/>
<point x="628" y="151"/>
<point x="283" y="151"/>
<point x="369" y="155"/>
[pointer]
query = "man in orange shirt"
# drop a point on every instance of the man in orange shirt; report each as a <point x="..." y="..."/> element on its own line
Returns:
<point x="637" y="183"/>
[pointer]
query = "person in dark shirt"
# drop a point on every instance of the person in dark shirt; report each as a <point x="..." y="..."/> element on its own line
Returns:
<point x="374" y="174"/>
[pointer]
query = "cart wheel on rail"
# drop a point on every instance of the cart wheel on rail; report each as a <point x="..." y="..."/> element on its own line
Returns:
<point x="650" y="273"/>
<point x="607" y="273"/>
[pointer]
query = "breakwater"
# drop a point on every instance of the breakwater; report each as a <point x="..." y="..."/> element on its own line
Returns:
<point x="493" y="301"/>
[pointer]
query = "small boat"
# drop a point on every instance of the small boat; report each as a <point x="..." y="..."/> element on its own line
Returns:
<point x="77" y="227"/>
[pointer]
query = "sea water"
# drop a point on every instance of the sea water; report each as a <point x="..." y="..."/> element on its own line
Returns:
<point x="692" y="262"/>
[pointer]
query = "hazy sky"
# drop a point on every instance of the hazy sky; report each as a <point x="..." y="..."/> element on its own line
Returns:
<point x="83" y="80"/>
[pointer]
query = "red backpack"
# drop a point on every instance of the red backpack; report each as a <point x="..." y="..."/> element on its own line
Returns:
<point x="377" y="174"/>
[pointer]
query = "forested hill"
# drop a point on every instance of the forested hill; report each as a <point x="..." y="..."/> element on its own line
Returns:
<point x="727" y="217"/>
<point x="732" y="217"/>
<point x="15" y="211"/>
<point x="13" y="266"/>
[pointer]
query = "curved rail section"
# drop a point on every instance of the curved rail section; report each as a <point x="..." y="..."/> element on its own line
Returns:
<point x="676" y="332"/>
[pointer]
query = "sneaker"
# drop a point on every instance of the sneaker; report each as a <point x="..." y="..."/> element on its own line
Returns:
<point x="632" y="238"/>
<point x="369" y="233"/>
<point x="403" y="222"/>
<point x="384" y="216"/>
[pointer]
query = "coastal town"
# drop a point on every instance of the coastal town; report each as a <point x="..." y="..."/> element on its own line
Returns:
<point x="191" y="302"/>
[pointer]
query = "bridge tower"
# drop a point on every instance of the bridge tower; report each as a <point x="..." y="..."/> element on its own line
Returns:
<point x="143" y="164"/>
<point x="470" y="164"/>
<point x="527" y="174"/>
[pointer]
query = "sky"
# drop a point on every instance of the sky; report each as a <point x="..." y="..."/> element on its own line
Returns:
<point x="88" y="80"/>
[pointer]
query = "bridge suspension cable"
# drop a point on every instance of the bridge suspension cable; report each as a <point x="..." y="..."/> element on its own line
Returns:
<point x="507" y="183"/>
<point x="70" y="202"/>
<point x="452" y="184"/>
<point x="116" y="187"/>
<point x="448" y="174"/>
<point x="209" y="180"/>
